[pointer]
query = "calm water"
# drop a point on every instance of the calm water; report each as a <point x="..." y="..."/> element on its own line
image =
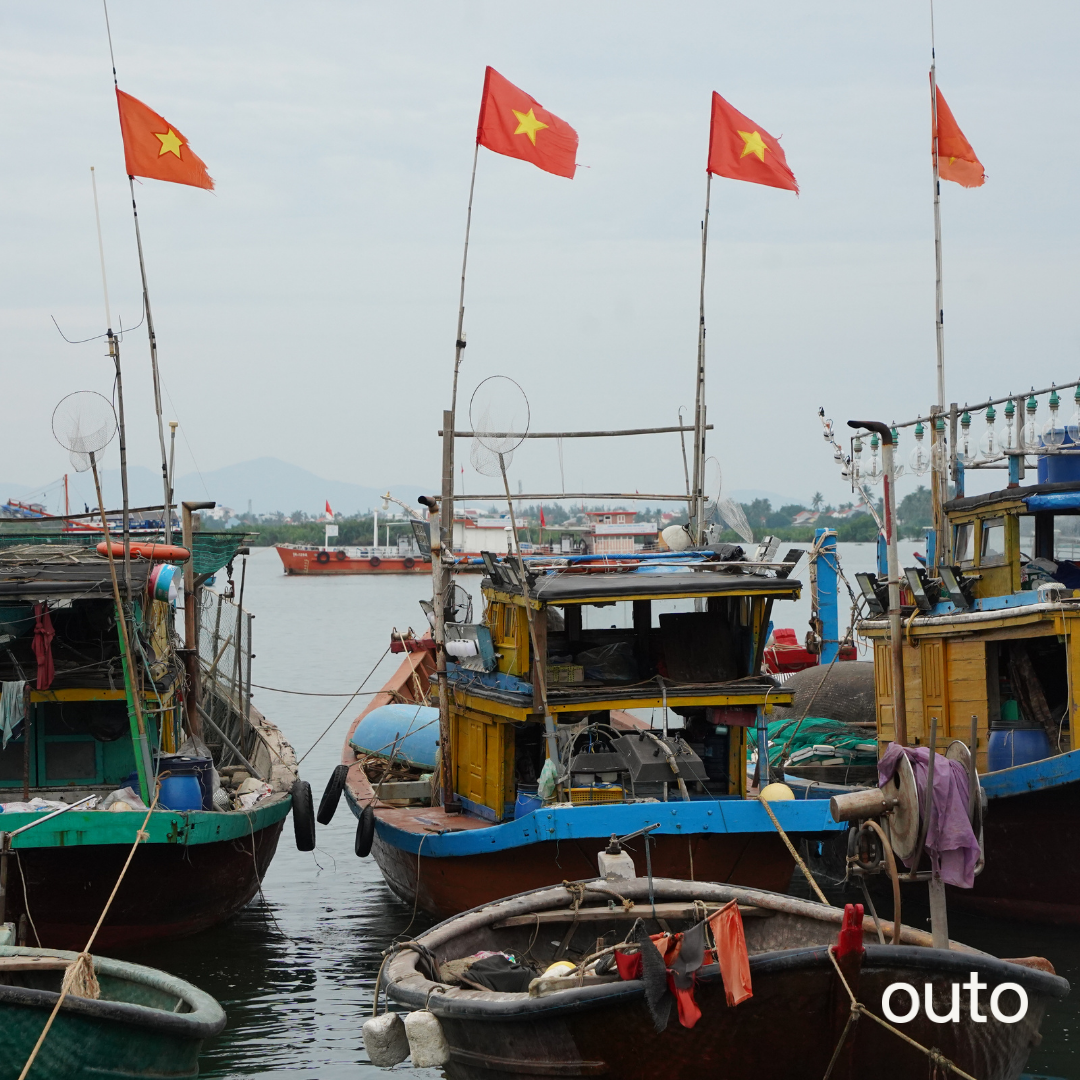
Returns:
<point x="295" y="971"/>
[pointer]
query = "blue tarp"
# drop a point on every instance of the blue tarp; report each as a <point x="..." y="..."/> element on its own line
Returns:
<point x="414" y="728"/>
<point x="1060" y="500"/>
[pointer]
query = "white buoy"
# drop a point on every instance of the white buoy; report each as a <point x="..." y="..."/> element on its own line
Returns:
<point x="385" y="1040"/>
<point x="427" y="1043"/>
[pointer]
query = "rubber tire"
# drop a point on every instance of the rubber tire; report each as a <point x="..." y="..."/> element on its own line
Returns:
<point x="328" y="804"/>
<point x="374" y="562"/>
<point x="365" y="833"/>
<point x="323" y="557"/>
<point x="410" y="562"/>
<point x="303" y="816"/>
<point x="340" y="556"/>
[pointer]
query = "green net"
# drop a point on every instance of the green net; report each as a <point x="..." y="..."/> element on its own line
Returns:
<point x="210" y="550"/>
<point x="818" y="741"/>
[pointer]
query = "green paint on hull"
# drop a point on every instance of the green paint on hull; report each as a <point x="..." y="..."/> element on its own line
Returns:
<point x="87" y="828"/>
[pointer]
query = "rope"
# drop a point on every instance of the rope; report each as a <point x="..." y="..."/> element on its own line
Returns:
<point x="795" y="855"/>
<point x="84" y="958"/>
<point x="343" y="708"/>
<point x="936" y="1056"/>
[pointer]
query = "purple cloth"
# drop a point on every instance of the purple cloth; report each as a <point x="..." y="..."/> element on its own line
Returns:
<point x="953" y="846"/>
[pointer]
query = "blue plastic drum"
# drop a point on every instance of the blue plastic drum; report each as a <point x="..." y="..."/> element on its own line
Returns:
<point x="1009" y="746"/>
<point x="181" y="793"/>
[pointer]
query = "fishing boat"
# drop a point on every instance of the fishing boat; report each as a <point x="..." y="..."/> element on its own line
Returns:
<point x="93" y="740"/>
<point x="506" y="820"/>
<point x="781" y="1009"/>
<point x="145" y="1023"/>
<point x="411" y="554"/>
<point x="979" y="643"/>
<point x="307" y="559"/>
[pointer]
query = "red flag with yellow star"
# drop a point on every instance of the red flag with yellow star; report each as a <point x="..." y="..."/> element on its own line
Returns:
<point x="741" y="150"/>
<point x="956" y="160"/>
<point x="517" y="125"/>
<point x="155" y="149"/>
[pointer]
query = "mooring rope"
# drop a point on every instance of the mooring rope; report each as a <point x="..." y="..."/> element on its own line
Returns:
<point x="81" y="969"/>
<point x="791" y="847"/>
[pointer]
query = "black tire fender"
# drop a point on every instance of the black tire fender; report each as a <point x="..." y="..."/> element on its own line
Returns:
<point x="409" y="563"/>
<point x="365" y="833"/>
<point x="323" y="557"/>
<point x="332" y="795"/>
<point x="374" y="562"/>
<point x="340" y="556"/>
<point x="303" y="816"/>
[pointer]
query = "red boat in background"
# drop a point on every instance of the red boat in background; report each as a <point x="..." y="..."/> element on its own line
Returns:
<point x="316" y="559"/>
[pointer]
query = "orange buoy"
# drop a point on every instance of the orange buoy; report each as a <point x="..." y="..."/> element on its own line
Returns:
<point x="154" y="552"/>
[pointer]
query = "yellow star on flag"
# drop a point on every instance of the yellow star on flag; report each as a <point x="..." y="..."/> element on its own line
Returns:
<point x="754" y="145"/>
<point x="527" y="125"/>
<point x="170" y="143"/>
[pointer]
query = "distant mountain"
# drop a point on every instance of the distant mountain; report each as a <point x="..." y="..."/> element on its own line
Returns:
<point x="267" y="483"/>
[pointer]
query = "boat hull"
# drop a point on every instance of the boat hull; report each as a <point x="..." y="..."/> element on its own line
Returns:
<point x="447" y="886"/>
<point x="800" y="990"/>
<point x="305" y="561"/>
<point x="178" y="883"/>
<point x="1031" y="809"/>
<point x="132" y="1030"/>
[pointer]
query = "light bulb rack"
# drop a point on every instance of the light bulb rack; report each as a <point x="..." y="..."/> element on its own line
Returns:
<point x="986" y="404"/>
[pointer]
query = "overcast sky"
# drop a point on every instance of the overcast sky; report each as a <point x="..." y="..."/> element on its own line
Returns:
<point x="306" y="309"/>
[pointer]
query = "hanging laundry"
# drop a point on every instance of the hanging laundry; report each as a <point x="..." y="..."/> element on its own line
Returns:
<point x="12" y="710"/>
<point x="43" y="638"/>
<point x="731" y="953"/>
<point x="953" y="846"/>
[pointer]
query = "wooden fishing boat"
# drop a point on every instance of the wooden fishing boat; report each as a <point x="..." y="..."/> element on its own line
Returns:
<point x="1002" y="651"/>
<point x="599" y="1024"/>
<point x="493" y="834"/>
<point x="145" y="1023"/>
<point x="75" y="779"/>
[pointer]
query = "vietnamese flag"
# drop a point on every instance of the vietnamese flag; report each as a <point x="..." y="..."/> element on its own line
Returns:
<point x="329" y="512"/>
<point x="740" y="150"/>
<point x="514" y="124"/>
<point x="155" y="149"/>
<point x="956" y="160"/>
<point x="542" y="521"/>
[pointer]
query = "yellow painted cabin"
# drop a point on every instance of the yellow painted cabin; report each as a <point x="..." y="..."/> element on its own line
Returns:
<point x="704" y="665"/>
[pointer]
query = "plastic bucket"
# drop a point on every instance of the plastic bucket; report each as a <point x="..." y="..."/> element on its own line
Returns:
<point x="527" y="801"/>
<point x="1009" y="746"/>
<point x="181" y="793"/>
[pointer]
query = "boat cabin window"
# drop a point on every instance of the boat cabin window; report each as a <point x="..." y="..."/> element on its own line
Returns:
<point x="962" y="545"/>
<point x="992" y="549"/>
<point x="1027" y="537"/>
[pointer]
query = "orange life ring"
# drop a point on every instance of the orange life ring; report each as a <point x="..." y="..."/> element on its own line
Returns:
<point x="341" y="556"/>
<point x="409" y="563"/>
<point x="374" y="562"/>
<point x="323" y="557"/>
<point x="155" y="552"/>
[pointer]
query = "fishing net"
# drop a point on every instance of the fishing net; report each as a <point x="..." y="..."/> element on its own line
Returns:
<point x="84" y="423"/>
<point x="499" y="415"/>
<point x="818" y="741"/>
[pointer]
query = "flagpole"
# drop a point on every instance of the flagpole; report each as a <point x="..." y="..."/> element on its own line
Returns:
<point x="699" y="399"/>
<point x="941" y="480"/>
<point x="447" y="509"/>
<point x="149" y="314"/>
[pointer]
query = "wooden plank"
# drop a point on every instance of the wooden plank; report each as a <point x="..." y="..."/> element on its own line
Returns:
<point x="8" y="964"/>
<point x="638" y="911"/>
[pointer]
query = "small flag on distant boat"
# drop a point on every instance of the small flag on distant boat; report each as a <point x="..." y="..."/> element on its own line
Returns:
<point x="153" y="148"/>
<point x="956" y="159"/>
<point x="741" y="150"/>
<point x="517" y="125"/>
<point x="542" y="521"/>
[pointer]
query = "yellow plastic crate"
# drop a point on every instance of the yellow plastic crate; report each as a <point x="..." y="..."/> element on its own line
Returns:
<point x="565" y="673"/>
<point x="592" y="796"/>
